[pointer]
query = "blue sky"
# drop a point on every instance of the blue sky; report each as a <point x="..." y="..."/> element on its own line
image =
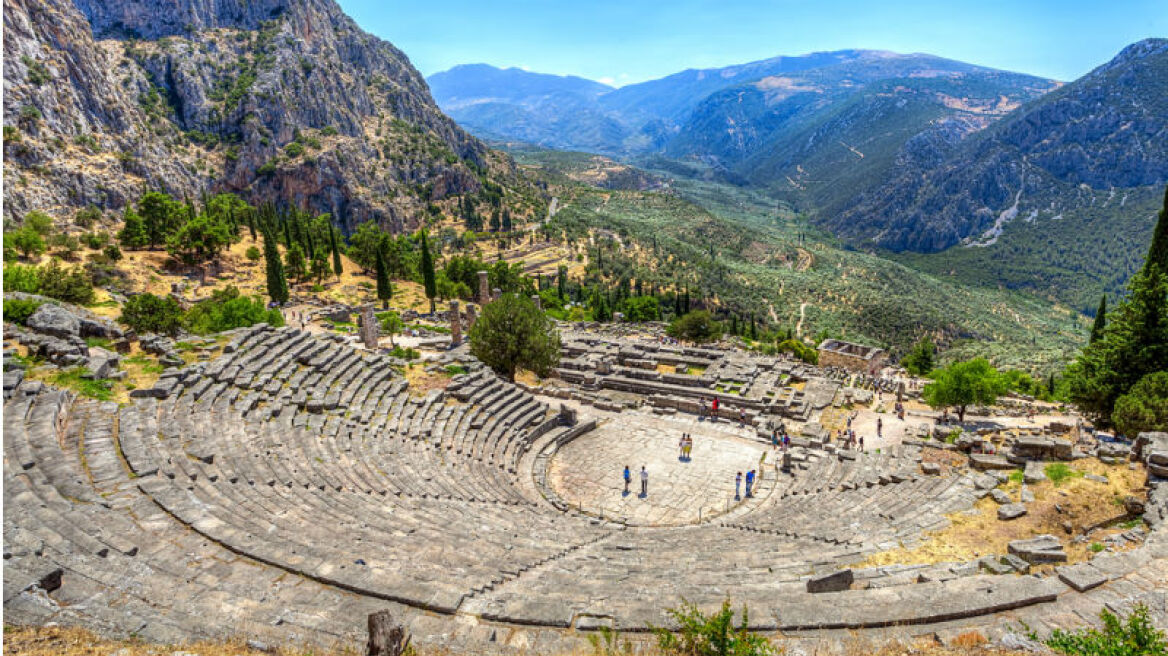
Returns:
<point x="624" y="41"/>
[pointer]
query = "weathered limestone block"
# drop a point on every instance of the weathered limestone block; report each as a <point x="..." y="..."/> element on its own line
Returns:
<point x="834" y="582"/>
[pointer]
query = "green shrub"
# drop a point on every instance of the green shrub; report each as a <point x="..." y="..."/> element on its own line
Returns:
<point x="267" y="168"/>
<point x="18" y="310"/>
<point x="29" y="242"/>
<point x="253" y="253"/>
<point x="404" y="353"/>
<point x="38" y="73"/>
<point x="30" y="114"/>
<point x="1058" y="472"/>
<point x="20" y="278"/>
<point x="294" y="149"/>
<point x="227" y="309"/>
<point x="1134" y="636"/>
<point x="87" y="216"/>
<point x="112" y="252"/>
<point x="713" y="635"/>
<point x="1017" y="476"/>
<point x="147" y="313"/>
<point x="71" y="285"/>
<point x="74" y="379"/>
<point x="455" y="369"/>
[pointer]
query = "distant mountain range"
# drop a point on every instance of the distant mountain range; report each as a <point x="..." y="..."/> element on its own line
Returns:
<point x="892" y="151"/>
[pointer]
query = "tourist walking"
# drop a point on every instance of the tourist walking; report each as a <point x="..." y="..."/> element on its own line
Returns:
<point x="688" y="447"/>
<point x="738" y="486"/>
<point x="741" y="417"/>
<point x="714" y="409"/>
<point x="861" y="442"/>
<point x="644" y="482"/>
<point x="681" y="447"/>
<point x="879" y="426"/>
<point x="628" y="479"/>
<point x="749" y="482"/>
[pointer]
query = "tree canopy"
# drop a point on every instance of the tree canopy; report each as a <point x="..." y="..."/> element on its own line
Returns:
<point x="964" y="384"/>
<point x="921" y="359"/>
<point x="1134" y="341"/>
<point x="697" y="326"/>
<point x="512" y="334"/>
<point x="1144" y="407"/>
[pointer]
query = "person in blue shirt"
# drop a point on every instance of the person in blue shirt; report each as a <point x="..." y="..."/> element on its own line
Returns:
<point x="749" y="481"/>
<point x="628" y="479"/>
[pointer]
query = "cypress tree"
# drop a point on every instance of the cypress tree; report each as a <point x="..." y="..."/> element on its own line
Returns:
<point x="274" y="271"/>
<point x="686" y="303"/>
<point x="1100" y="321"/>
<point x="561" y="281"/>
<point x="337" y="268"/>
<point x="428" y="279"/>
<point x="287" y="231"/>
<point x="384" y="288"/>
<point x="251" y="224"/>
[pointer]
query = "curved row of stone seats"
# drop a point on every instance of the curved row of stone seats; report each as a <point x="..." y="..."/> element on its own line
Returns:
<point x="119" y="564"/>
<point x="277" y="372"/>
<point x="273" y="490"/>
<point x="622" y="580"/>
<point x="853" y="469"/>
<point x="498" y="427"/>
<point x="870" y="519"/>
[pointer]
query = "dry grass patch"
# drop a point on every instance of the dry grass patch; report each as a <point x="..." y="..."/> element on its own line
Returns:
<point x="1082" y="502"/>
<point x="948" y="460"/>
<point x="423" y="382"/>
<point x="73" y="641"/>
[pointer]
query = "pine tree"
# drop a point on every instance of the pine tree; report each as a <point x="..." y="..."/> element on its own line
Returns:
<point x="274" y="271"/>
<point x="428" y="279"/>
<point x="1100" y="321"/>
<point x="337" y="268"/>
<point x="384" y="287"/>
<point x="561" y="281"/>
<point x="506" y="220"/>
<point x="1158" y="251"/>
<point x="1134" y="341"/>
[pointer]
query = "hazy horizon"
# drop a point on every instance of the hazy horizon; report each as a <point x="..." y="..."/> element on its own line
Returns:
<point x="621" y="43"/>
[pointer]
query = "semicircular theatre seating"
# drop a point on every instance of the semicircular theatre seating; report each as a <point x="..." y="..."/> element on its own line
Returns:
<point x="294" y="484"/>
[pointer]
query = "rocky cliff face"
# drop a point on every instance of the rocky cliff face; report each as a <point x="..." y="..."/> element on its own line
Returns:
<point x="74" y="133"/>
<point x="278" y="100"/>
<point x="1107" y="131"/>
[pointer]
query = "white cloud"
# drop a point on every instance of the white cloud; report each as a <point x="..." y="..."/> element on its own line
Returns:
<point x="607" y="80"/>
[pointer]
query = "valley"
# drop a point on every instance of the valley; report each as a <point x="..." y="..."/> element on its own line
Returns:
<point x="851" y="352"/>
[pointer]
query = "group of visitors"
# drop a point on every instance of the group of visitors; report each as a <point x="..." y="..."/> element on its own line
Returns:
<point x="709" y="410"/>
<point x="685" y="447"/>
<point x="750" y="476"/>
<point x="644" y="481"/>
<point x="780" y="438"/>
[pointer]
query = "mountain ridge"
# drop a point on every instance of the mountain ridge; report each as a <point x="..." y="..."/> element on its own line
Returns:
<point x="217" y="93"/>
